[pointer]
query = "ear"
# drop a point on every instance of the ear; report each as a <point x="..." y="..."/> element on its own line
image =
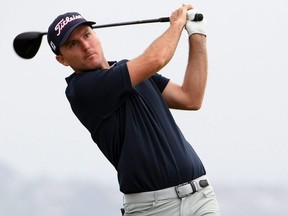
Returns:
<point x="61" y="60"/>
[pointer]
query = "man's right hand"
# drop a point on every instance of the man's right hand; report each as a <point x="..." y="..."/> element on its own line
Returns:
<point x="179" y="16"/>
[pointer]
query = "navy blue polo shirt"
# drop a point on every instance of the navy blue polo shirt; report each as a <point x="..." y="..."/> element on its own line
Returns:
<point x="134" y="128"/>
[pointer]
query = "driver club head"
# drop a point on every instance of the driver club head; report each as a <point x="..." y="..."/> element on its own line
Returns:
<point x="27" y="44"/>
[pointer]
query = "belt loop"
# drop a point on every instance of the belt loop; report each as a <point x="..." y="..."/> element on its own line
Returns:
<point x="194" y="187"/>
<point x="155" y="197"/>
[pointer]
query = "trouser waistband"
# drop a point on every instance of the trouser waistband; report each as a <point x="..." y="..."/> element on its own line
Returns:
<point x="179" y="191"/>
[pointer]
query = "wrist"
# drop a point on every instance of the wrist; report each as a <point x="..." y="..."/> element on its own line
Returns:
<point x="177" y="25"/>
<point x="197" y="35"/>
<point x="197" y="42"/>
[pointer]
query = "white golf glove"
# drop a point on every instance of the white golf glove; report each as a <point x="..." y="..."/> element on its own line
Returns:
<point x="195" y="27"/>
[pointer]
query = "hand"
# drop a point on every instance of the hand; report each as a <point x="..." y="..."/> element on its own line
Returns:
<point x="195" y="27"/>
<point x="179" y="16"/>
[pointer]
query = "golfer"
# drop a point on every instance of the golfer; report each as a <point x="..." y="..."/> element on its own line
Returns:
<point x="125" y="106"/>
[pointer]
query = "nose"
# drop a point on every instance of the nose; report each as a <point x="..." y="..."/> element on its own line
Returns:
<point x="85" y="45"/>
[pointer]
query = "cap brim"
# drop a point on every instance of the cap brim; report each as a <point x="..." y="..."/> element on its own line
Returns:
<point x="68" y="33"/>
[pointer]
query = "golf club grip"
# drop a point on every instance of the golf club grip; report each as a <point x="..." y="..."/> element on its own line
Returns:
<point x="198" y="17"/>
<point x="164" y="19"/>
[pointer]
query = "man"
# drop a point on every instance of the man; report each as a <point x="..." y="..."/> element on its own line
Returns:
<point x="125" y="106"/>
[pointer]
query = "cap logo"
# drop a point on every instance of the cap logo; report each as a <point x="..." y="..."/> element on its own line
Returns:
<point x="65" y="22"/>
<point x="52" y="45"/>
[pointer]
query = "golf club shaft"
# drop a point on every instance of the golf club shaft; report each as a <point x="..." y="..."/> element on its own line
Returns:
<point x="198" y="17"/>
<point x="162" y="19"/>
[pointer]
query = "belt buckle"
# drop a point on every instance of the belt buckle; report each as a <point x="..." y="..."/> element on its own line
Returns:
<point x="185" y="195"/>
<point x="178" y="192"/>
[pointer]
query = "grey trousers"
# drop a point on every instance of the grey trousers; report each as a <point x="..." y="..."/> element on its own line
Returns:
<point x="202" y="202"/>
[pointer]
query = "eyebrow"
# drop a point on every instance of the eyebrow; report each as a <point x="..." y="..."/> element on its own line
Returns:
<point x="69" y="41"/>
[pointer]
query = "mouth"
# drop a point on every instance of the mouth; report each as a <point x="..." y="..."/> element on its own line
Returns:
<point x="89" y="55"/>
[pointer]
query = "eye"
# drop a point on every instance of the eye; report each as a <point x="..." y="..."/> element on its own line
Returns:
<point x="73" y="44"/>
<point x="87" y="35"/>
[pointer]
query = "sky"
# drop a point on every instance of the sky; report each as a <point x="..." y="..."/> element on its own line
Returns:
<point x="240" y="133"/>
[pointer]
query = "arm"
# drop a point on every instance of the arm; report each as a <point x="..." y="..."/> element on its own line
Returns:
<point x="160" y="52"/>
<point x="190" y="94"/>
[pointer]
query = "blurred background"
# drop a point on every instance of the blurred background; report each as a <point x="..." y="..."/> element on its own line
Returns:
<point x="48" y="162"/>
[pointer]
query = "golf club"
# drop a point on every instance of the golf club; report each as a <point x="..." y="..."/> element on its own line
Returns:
<point x="27" y="44"/>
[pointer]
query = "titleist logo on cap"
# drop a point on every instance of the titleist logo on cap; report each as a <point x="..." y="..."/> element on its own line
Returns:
<point x="66" y="21"/>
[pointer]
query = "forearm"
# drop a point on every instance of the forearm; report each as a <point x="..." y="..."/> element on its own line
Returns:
<point x="195" y="79"/>
<point x="160" y="52"/>
<point x="189" y="95"/>
<point x="163" y="48"/>
<point x="156" y="56"/>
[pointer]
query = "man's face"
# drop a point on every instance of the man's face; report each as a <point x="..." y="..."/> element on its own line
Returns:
<point x="82" y="51"/>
